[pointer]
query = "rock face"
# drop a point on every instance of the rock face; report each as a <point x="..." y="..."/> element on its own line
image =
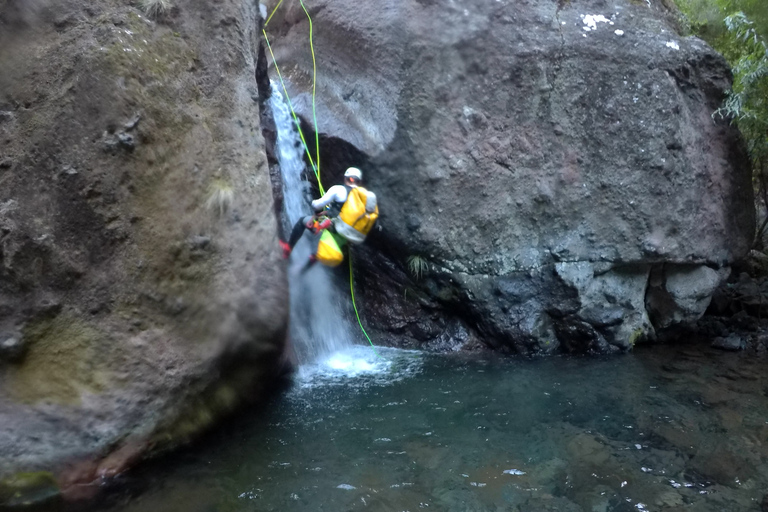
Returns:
<point x="545" y="162"/>
<point x="141" y="294"/>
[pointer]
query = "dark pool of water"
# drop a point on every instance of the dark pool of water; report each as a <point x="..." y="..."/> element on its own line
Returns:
<point x="664" y="428"/>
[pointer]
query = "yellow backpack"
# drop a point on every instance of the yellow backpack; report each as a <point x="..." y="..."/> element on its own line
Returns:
<point x="358" y="215"/>
<point x="329" y="250"/>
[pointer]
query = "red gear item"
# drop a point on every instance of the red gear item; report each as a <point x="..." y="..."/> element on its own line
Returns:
<point x="286" y="249"/>
<point x="324" y="224"/>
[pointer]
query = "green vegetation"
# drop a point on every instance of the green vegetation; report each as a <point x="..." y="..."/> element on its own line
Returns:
<point x="417" y="266"/>
<point x="220" y="197"/>
<point x="155" y="8"/>
<point x="636" y="336"/>
<point x="739" y="30"/>
<point x="67" y="357"/>
<point x="24" y="490"/>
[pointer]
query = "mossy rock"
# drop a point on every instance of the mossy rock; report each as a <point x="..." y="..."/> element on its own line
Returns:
<point x="28" y="490"/>
<point x="637" y="335"/>
<point x="66" y="357"/>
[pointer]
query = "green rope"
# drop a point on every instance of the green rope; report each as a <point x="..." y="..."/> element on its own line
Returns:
<point x="352" y="292"/>
<point x="295" y="117"/>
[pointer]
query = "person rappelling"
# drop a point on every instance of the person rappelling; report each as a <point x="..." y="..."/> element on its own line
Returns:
<point x="345" y="213"/>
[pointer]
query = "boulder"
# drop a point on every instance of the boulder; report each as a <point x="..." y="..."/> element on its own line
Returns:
<point x="137" y="264"/>
<point x="508" y="140"/>
<point x="680" y="294"/>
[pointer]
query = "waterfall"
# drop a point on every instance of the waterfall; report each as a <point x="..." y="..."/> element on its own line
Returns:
<point x="318" y="325"/>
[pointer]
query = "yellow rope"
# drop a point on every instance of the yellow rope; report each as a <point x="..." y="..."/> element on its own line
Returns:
<point x="295" y="117"/>
<point x="352" y="292"/>
<point x="314" y="81"/>
<point x="315" y="166"/>
<point x="273" y="13"/>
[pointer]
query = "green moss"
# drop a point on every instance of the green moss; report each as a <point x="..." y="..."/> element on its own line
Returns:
<point x="637" y="335"/>
<point x="200" y="414"/>
<point x="159" y="52"/>
<point x="65" y="358"/>
<point x="155" y="65"/>
<point x="26" y="489"/>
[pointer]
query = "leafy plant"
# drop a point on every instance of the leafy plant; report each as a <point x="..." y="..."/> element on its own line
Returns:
<point x="747" y="103"/>
<point x="738" y="29"/>
<point x="417" y="266"/>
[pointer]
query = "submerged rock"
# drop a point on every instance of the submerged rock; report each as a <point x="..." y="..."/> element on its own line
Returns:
<point x="546" y="161"/>
<point x="144" y="310"/>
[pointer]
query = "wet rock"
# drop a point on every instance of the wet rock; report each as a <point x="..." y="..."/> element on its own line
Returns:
<point x="723" y="466"/>
<point x="585" y="450"/>
<point x="670" y="498"/>
<point x="602" y="316"/>
<point x="12" y="348"/>
<point x="612" y="300"/>
<point x="732" y="342"/>
<point x="745" y="322"/>
<point x="549" y="504"/>
<point x="590" y="160"/>
<point x="755" y="264"/>
<point x="27" y="490"/>
<point x="680" y="294"/>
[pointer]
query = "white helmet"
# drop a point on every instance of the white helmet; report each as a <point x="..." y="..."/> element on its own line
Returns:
<point x="354" y="172"/>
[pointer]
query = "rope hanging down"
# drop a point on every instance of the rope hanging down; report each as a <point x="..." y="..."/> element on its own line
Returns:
<point x="352" y="292"/>
<point x="315" y="167"/>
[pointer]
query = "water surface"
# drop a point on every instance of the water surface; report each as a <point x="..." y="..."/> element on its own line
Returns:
<point x="663" y="428"/>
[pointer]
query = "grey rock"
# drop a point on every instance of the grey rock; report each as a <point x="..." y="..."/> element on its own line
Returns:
<point x="680" y="294"/>
<point x="732" y="342"/>
<point x="612" y="301"/>
<point x="133" y="123"/>
<point x="603" y="316"/>
<point x="126" y="140"/>
<point x="542" y="144"/>
<point x="6" y="163"/>
<point x="200" y="242"/>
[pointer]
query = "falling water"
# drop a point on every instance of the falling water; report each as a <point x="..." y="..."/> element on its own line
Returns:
<point x="319" y="326"/>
